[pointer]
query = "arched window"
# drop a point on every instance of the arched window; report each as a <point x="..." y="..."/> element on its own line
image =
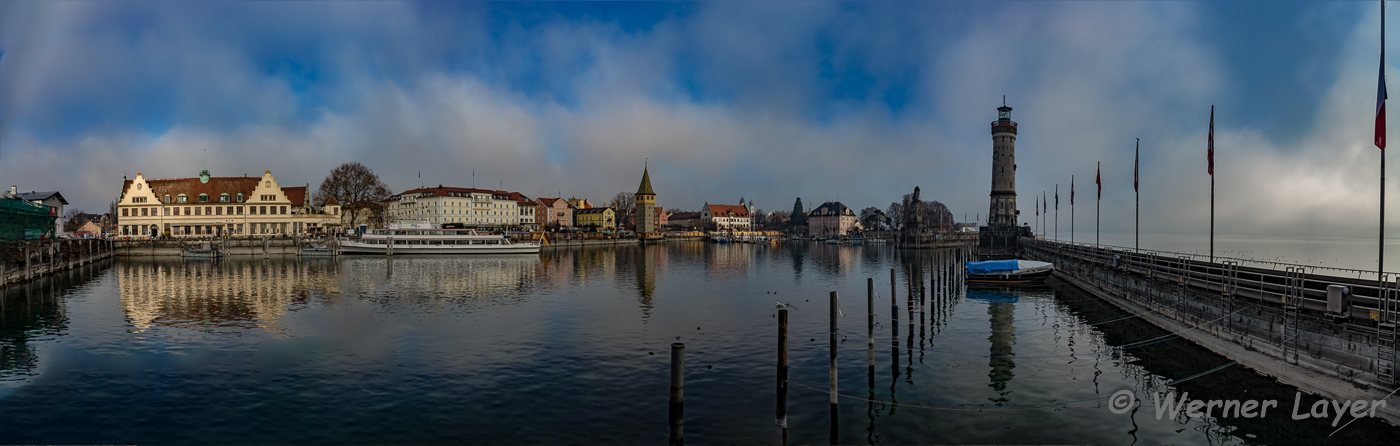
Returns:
<point x="203" y="198"/>
<point x="240" y="198"/>
<point x="167" y="198"/>
<point x="223" y="198"/>
<point x="183" y="198"/>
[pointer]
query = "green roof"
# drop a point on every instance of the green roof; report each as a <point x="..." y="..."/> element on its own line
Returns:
<point x="645" y="188"/>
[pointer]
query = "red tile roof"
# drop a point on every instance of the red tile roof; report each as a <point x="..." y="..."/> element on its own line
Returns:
<point x="191" y="187"/>
<point x="728" y="210"/>
<point x="442" y="191"/>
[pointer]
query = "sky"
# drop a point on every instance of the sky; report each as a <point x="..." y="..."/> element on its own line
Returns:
<point x="768" y="100"/>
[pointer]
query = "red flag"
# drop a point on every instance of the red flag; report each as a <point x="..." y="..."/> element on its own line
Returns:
<point x="1210" y="144"/>
<point x="1380" y="100"/>
<point x="1098" y="179"/>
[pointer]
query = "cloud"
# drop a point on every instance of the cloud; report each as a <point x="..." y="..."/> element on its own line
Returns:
<point x="770" y="101"/>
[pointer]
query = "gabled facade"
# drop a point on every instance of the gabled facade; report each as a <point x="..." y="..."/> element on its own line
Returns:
<point x="831" y="218"/>
<point x="552" y="213"/>
<point x="726" y="217"/>
<point x="600" y="218"/>
<point x="207" y="206"/>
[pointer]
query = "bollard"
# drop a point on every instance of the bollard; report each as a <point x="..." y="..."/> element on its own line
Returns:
<point x="677" y="409"/>
<point x="832" y="384"/>
<point x="390" y="244"/>
<point x="780" y="417"/>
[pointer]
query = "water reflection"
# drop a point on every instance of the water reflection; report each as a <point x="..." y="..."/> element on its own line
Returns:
<point x="32" y="313"/>
<point x="1001" y="306"/>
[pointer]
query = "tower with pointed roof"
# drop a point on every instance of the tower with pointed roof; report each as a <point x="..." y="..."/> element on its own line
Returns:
<point x="644" y="207"/>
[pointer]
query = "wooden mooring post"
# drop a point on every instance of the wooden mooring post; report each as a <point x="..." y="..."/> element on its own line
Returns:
<point x="677" y="405"/>
<point x="894" y="323"/>
<point x="780" y="416"/>
<point x="831" y="386"/>
<point x="870" y="329"/>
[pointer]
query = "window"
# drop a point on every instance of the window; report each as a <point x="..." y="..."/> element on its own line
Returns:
<point x="124" y="212"/>
<point x="219" y="210"/>
<point x="208" y="210"/>
<point x="229" y="211"/>
<point x="262" y="210"/>
<point x="240" y="212"/>
<point x="166" y="211"/>
<point x="223" y="198"/>
<point x="167" y="198"/>
<point x="240" y="200"/>
<point x="197" y="210"/>
<point x="284" y="209"/>
<point x="183" y="199"/>
<point x="203" y="198"/>
<point x="143" y="212"/>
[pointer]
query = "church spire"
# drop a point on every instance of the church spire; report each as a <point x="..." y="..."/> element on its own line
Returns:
<point x="645" y="187"/>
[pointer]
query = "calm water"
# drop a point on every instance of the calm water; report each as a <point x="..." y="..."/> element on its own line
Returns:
<point x="572" y="347"/>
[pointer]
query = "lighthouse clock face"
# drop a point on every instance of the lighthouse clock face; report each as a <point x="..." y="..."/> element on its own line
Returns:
<point x="996" y="155"/>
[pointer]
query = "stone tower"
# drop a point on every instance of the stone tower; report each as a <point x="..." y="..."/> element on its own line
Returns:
<point x="644" y="206"/>
<point x="1003" y="208"/>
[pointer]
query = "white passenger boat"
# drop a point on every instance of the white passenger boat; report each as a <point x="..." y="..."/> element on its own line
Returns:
<point x="419" y="240"/>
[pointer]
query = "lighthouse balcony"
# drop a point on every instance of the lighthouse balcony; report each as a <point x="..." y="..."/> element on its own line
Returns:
<point x="1011" y="124"/>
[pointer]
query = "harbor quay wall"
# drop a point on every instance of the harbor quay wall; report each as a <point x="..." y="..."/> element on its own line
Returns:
<point x="261" y="246"/>
<point x="21" y="261"/>
<point x="1276" y="322"/>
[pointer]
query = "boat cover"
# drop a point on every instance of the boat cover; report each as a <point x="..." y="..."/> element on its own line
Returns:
<point x="992" y="266"/>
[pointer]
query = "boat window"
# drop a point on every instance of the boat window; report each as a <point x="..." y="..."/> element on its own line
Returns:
<point x="435" y="242"/>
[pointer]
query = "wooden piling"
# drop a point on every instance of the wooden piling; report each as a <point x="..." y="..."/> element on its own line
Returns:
<point x="780" y="416"/>
<point x="390" y="251"/>
<point x="870" y="328"/>
<point x="894" y="324"/>
<point x="677" y="406"/>
<point x="831" y="386"/>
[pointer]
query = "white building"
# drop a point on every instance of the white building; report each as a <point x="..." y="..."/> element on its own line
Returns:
<point x="726" y="217"/>
<point x="466" y="206"/>
<point x="218" y="206"/>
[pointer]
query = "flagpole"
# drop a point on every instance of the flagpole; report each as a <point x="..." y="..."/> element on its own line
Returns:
<point x="1098" y="202"/>
<point x="1211" y="157"/>
<point x="1137" y="200"/>
<point x="1071" y="209"/>
<point x="1380" y="124"/>
<point x="1057" y="212"/>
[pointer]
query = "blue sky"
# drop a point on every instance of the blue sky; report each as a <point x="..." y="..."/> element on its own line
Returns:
<point x="765" y="100"/>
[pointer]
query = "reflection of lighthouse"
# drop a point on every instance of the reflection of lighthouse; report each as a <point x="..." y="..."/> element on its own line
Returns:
<point x="646" y="276"/>
<point x="1003" y="312"/>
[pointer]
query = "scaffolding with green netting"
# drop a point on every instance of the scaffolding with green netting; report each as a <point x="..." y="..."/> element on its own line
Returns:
<point x="22" y="220"/>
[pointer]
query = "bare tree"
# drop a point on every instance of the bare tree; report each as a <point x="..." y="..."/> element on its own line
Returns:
<point x="779" y="219"/>
<point x="872" y="217"/>
<point x="74" y="219"/>
<point x="623" y="204"/>
<point x="355" y="186"/>
<point x="896" y="215"/>
<point x="938" y="216"/>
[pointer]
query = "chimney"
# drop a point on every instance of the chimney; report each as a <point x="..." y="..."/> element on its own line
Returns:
<point x="14" y="189"/>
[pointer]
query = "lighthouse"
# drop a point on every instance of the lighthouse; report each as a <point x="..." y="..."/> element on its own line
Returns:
<point x="1000" y="236"/>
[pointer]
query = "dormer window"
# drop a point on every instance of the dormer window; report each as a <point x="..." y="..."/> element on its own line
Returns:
<point x="223" y="198"/>
<point x="203" y="198"/>
<point x="167" y="198"/>
<point x="183" y="199"/>
<point x="239" y="198"/>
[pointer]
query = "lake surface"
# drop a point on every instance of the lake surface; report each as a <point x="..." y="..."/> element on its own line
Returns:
<point x="572" y="346"/>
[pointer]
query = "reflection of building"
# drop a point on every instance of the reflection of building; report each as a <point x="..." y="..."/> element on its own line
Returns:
<point x="35" y="313"/>
<point x="449" y="278"/>
<point x="652" y="258"/>
<point x="215" y="206"/>
<point x="831" y="218"/>
<point x="231" y="293"/>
